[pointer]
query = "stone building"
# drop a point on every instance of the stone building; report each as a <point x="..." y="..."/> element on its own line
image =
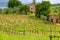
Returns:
<point x="52" y="18"/>
<point x="32" y="7"/>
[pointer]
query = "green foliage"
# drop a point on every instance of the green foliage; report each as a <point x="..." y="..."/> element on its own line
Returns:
<point x="13" y="3"/>
<point x="7" y="10"/>
<point x="42" y="8"/>
<point x="0" y="10"/>
<point x="56" y="10"/>
<point x="24" y="9"/>
<point x="15" y="10"/>
<point x="16" y="24"/>
<point x="38" y="9"/>
<point x="45" y="8"/>
<point x="18" y="7"/>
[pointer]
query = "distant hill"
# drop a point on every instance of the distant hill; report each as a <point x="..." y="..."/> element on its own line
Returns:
<point x="56" y="4"/>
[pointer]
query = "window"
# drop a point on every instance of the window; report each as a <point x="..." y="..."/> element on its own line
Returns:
<point x="31" y="11"/>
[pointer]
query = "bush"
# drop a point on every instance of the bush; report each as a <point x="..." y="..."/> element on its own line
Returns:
<point x="42" y="9"/>
<point x="7" y="10"/>
<point x="38" y="9"/>
<point x="24" y="9"/>
<point x="0" y="11"/>
<point x="15" y="10"/>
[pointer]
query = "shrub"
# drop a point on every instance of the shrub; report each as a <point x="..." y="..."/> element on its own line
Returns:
<point x="7" y="10"/>
<point x="42" y="9"/>
<point x="15" y="10"/>
<point x="0" y="11"/>
<point x="24" y="9"/>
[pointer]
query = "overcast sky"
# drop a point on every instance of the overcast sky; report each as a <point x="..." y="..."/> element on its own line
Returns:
<point x="52" y="1"/>
<point x="3" y="3"/>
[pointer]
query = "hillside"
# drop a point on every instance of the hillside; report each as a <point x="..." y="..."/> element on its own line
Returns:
<point x="14" y="27"/>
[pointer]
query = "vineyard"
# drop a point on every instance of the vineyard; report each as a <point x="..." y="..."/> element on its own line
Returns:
<point x="26" y="27"/>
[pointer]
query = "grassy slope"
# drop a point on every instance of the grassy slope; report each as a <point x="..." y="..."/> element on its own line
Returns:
<point x="55" y="8"/>
<point x="17" y="23"/>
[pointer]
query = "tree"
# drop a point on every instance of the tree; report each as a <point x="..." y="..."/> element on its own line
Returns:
<point x="15" y="10"/>
<point x="38" y="9"/>
<point x="13" y="3"/>
<point x="0" y="10"/>
<point x="42" y="8"/>
<point x="20" y="9"/>
<point x="7" y="10"/>
<point x="24" y="9"/>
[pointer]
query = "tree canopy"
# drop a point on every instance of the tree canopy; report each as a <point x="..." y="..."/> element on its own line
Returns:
<point x="14" y="3"/>
<point x="42" y="8"/>
<point x="24" y="9"/>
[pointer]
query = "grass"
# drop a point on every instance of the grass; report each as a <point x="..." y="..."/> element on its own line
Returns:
<point x="25" y="27"/>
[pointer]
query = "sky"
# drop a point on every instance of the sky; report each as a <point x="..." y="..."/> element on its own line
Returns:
<point x="3" y="3"/>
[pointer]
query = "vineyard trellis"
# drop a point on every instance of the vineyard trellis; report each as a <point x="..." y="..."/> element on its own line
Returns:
<point x="13" y="30"/>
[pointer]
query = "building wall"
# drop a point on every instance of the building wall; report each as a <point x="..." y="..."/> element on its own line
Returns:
<point x="32" y="8"/>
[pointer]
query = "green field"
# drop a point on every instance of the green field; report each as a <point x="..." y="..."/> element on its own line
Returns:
<point x="26" y="27"/>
